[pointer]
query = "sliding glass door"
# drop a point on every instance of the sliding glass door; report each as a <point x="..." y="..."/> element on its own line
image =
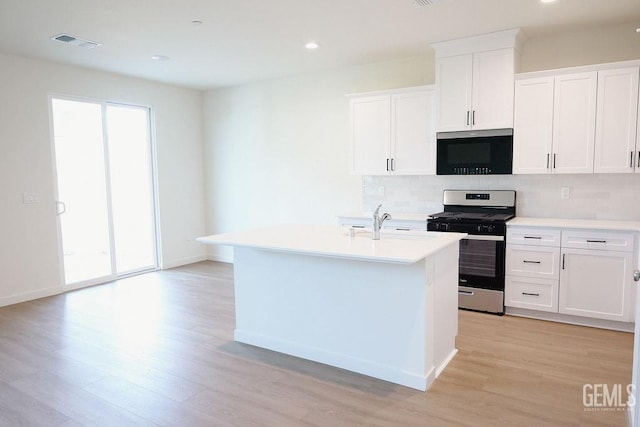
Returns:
<point x="105" y="190"/>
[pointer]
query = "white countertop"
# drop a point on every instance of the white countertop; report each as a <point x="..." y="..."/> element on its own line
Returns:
<point x="402" y="247"/>
<point x="575" y="223"/>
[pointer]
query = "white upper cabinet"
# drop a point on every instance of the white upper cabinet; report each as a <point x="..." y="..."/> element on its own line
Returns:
<point x="474" y="81"/>
<point x="574" y="114"/>
<point x="393" y="132"/>
<point x="616" y="121"/>
<point x="533" y="124"/>
<point x="492" y="95"/>
<point x="554" y="124"/>
<point x="580" y="120"/>
<point x="454" y="79"/>
<point x="370" y="134"/>
<point x="475" y="91"/>
<point x="413" y="133"/>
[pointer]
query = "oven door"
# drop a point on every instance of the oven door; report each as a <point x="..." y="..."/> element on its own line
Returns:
<point x="482" y="262"/>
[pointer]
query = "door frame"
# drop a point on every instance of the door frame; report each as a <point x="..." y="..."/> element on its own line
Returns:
<point x="154" y="190"/>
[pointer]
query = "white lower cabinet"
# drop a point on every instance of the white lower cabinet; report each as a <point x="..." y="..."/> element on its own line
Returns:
<point x="531" y="293"/>
<point x="575" y="272"/>
<point x="533" y="261"/>
<point x="401" y="224"/>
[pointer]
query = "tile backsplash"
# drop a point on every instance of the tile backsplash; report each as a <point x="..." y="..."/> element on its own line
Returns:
<point x="597" y="196"/>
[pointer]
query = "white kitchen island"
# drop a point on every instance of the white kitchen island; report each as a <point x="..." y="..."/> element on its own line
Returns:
<point x="385" y="308"/>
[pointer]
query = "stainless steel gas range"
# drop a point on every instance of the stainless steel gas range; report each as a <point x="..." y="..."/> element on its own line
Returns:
<point x="483" y="215"/>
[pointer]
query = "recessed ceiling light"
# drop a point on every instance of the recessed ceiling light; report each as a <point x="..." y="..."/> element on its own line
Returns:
<point x="547" y="1"/>
<point x="312" y="45"/>
<point x="160" y="58"/>
<point x="638" y="30"/>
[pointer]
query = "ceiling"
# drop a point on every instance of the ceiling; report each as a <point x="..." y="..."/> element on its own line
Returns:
<point x="240" y="41"/>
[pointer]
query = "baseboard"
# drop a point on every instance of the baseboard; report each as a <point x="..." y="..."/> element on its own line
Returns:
<point x="220" y="258"/>
<point x="573" y="320"/>
<point x="446" y="361"/>
<point x="29" y="296"/>
<point x="343" y="361"/>
<point x="182" y="261"/>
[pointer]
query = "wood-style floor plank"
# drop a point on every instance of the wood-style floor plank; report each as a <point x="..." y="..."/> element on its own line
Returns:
<point x="158" y="349"/>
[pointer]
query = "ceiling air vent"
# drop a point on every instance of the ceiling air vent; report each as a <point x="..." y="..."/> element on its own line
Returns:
<point x="422" y="3"/>
<point x="66" y="38"/>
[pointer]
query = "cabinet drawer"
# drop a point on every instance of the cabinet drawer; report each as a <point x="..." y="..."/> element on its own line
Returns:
<point x="533" y="261"/>
<point x="533" y="294"/>
<point x="600" y="240"/>
<point x="533" y="236"/>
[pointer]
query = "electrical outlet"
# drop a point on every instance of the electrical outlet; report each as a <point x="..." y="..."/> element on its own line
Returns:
<point x="28" y="198"/>
<point x="565" y="192"/>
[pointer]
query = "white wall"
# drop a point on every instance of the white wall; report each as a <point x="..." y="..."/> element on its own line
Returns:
<point x="277" y="151"/>
<point x="582" y="46"/>
<point x="29" y="260"/>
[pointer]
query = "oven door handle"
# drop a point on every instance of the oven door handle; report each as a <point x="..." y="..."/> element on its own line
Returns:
<point x="484" y="237"/>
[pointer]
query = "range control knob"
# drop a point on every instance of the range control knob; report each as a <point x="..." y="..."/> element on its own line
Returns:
<point x="486" y="228"/>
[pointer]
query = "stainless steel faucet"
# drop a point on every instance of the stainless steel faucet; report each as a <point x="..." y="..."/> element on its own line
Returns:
<point x="377" y="222"/>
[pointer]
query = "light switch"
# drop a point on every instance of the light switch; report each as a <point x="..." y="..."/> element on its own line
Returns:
<point x="28" y="198"/>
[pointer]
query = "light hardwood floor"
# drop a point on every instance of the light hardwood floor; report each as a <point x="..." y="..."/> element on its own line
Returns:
<point x="157" y="349"/>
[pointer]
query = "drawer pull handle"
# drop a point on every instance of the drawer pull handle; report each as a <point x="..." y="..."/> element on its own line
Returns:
<point x="596" y="241"/>
<point x="533" y="237"/>
<point x="357" y="226"/>
<point x="531" y="262"/>
<point x="465" y="293"/>
<point x="530" y="294"/>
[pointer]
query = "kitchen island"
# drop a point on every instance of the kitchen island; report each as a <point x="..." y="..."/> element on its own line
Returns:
<point x="384" y="308"/>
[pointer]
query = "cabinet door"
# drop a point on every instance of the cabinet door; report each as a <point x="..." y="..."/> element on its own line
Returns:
<point x="453" y="82"/>
<point x="492" y="95"/>
<point x="370" y="134"/>
<point x="412" y="133"/>
<point x="616" y="117"/>
<point x="596" y="284"/>
<point x="532" y="127"/>
<point x="574" y="119"/>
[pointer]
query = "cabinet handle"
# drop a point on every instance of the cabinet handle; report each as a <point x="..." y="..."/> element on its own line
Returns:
<point x="403" y="229"/>
<point x="631" y="159"/>
<point x="554" y="160"/>
<point x="596" y="241"/>
<point x="530" y="294"/>
<point x="531" y="262"/>
<point x="387" y="165"/>
<point x="357" y="226"/>
<point x="638" y="159"/>
<point x="548" y="155"/>
<point x="563" y="261"/>
<point x="392" y="165"/>
<point x="473" y="117"/>
<point x="465" y="292"/>
<point x="533" y="237"/>
<point x="467" y="117"/>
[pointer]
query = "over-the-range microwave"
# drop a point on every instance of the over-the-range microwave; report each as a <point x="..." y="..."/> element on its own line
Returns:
<point x="481" y="152"/>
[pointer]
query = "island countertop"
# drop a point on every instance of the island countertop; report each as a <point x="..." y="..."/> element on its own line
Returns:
<point x="400" y="247"/>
